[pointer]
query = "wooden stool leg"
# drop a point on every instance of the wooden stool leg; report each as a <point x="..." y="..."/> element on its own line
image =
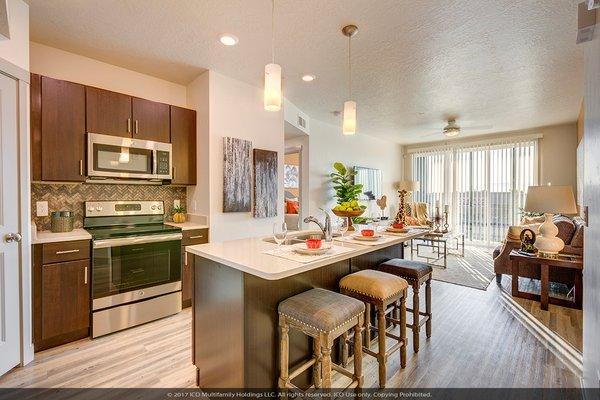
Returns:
<point x="428" y="306"/>
<point x="284" y="347"/>
<point x="367" y="325"/>
<point x="319" y="361"/>
<point x="403" y="330"/>
<point x="381" y="358"/>
<point x="416" y="317"/>
<point x="344" y="343"/>
<point x="358" y="373"/>
<point x="326" y="363"/>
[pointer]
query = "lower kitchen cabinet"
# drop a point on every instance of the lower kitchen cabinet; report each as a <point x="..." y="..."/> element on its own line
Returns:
<point x="61" y="293"/>
<point x="190" y="237"/>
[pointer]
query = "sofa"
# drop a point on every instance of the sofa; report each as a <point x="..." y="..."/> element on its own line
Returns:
<point x="570" y="230"/>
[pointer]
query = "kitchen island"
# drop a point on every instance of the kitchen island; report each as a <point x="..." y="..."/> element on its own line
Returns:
<point x="237" y="288"/>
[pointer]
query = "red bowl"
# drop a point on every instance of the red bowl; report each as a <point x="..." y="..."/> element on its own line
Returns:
<point x="313" y="243"/>
<point x="398" y="226"/>
<point x="367" y="232"/>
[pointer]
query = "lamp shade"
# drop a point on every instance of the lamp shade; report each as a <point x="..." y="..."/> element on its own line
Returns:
<point x="551" y="199"/>
<point x="349" y="125"/>
<point x="272" y="87"/>
<point x="409" y="186"/>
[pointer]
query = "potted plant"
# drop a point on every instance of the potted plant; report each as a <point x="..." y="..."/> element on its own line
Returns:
<point x="179" y="214"/>
<point x="346" y="193"/>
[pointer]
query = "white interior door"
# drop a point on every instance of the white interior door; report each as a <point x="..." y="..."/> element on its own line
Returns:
<point x="9" y="225"/>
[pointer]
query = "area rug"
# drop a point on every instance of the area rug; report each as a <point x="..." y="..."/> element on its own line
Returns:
<point x="475" y="269"/>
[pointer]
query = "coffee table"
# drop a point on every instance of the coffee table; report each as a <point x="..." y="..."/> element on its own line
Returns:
<point x="438" y="242"/>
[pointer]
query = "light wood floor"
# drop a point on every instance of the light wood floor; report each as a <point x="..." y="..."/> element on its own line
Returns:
<point x="480" y="339"/>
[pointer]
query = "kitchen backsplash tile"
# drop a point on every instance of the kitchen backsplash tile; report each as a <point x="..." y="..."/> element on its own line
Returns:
<point x="72" y="196"/>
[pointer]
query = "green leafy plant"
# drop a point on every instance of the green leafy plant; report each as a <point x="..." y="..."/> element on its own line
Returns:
<point x="346" y="192"/>
<point x="179" y="210"/>
<point x="529" y="214"/>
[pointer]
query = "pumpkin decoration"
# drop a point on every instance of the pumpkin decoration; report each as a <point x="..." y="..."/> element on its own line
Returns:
<point x="178" y="214"/>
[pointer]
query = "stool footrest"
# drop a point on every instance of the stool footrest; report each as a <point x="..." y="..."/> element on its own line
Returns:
<point x="342" y="370"/>
<point x="301" y="368"/>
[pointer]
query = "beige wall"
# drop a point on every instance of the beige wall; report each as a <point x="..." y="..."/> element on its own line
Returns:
<point x="235" y="109"/>
<point x="557" y="152"/>
<point x="16" y="50"/>
<point x="328" y="145"/>
<point x="61" y="64"/>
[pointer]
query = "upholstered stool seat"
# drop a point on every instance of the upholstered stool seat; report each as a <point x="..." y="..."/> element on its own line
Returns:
<point x="323" y="315"/>
<point x="378" y="290"/>
<point x="321" y="309"/>
<point x="416" y="273"/>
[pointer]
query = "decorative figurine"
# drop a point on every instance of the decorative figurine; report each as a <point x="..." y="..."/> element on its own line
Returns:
<point x="382" y="204"/>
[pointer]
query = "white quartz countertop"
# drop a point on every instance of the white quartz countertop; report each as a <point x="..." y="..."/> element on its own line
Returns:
<point x="188" y="226"/>
<point x="51" y="237"/>
<point x="247" y="255"/>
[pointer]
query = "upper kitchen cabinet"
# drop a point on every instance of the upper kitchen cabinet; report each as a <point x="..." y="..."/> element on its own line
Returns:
<point x="108" y="112"/>
<point x="183" y="140"/>
<point x="57" y="129"/>
<point x="150" y="120"/>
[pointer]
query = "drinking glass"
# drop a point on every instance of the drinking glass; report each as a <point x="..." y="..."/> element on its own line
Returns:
<point x="279" y="234"/>
<point x="343" y="224"/>
<point x="375" y="219"/>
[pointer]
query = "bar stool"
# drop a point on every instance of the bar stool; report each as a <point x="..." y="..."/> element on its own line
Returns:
<point x="416" y="273"/>
<point x="324" y="316"/>
<point x="379" y="290"/>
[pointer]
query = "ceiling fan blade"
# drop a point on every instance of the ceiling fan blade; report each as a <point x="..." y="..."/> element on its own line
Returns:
<point x="477" y="127"/>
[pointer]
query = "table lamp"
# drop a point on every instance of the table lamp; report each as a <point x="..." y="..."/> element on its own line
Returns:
<point x="550" y="200"/>
<point x="403" y="188"/>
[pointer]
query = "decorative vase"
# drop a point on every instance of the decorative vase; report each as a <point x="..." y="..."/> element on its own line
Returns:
<point x="179" y="218"/>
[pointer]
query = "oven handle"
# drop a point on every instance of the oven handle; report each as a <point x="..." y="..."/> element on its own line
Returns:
<point x="126" y="241"/>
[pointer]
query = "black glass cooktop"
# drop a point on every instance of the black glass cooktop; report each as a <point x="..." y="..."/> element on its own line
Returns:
<point x="108" y="232"/>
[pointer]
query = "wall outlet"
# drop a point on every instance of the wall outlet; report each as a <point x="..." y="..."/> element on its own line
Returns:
<point x="176" y="203"/>
<point x="41" y="208"/>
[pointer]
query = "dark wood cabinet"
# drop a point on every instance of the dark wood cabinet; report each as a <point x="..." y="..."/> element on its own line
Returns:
<point x="190" y="237"/>
<point x="107" y="112"/>
<point x="58" y="131"/>
<point x="61" y="293"/>
<point x="150" y="120"/>
<point x="183" y="140"/>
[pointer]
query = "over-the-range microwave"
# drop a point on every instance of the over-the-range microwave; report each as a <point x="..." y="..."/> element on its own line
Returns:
<point x="127" y="158"/>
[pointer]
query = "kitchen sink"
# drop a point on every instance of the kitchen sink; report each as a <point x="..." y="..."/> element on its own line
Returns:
<point x="299" y="238"/>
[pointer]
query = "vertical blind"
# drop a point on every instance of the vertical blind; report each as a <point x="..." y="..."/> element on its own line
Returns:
<point x="484" y="185"/>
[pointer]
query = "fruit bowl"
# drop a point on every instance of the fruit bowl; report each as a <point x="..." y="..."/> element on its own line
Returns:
<point x="349" y="215"/>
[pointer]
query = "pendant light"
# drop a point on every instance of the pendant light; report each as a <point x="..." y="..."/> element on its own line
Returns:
<point x="273" y="96"/>
<point x="349" y="124"/>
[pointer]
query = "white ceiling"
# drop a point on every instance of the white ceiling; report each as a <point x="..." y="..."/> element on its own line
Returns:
<point x="512" y="64"/>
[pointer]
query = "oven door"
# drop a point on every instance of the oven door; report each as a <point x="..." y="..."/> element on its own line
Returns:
<point x="118" y="157"/>
<point x="135" y="268"/>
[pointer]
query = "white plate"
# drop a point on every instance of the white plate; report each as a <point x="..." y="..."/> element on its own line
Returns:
<point x="367" y="238"/>
<point x="397" y="230"/>
<point x="301" y="248"/>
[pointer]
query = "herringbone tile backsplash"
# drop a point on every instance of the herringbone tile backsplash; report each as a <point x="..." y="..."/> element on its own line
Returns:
<point x="70" y="197"/>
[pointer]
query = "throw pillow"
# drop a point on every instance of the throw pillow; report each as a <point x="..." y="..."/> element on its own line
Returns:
<point x="292" y="206"/>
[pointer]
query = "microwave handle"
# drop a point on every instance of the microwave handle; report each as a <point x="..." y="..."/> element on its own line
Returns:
<point x="154" y="162"/>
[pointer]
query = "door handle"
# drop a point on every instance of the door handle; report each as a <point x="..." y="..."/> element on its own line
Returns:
<point x="136" y="126"/>
<point x="196" y="237"/>
<point x="128" y="125"/>
<point x="67" y="251"/>
<point x="12" y="237"/>
<point x="85" y="276"/>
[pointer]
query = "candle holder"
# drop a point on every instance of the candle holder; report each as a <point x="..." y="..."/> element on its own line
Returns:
<point x="437" y="220"/>
<point x="446" y="225"/>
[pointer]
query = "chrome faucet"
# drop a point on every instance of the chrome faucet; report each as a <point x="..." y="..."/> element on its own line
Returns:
<point x="326" y="228"/>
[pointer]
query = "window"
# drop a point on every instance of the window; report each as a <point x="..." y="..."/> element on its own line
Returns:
<point x="484" y="185"/>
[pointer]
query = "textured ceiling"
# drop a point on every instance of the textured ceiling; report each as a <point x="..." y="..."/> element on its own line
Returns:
<point x="508" y="64"/>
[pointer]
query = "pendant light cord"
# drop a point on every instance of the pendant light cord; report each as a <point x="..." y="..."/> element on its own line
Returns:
<point x="349" y="67"/>
<point x="272" y="31"/>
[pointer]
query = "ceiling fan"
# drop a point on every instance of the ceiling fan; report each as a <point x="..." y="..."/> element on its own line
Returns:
<point x="452" y="129"/>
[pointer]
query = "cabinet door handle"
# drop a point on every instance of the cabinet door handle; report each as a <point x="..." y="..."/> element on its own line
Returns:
<point x="128" y="125"/>
<point x="136" y="126"/>
<point x="197" y="237"/>
<point x="80" y="167"/>
<point x="85" y="276"/>
<point x="67" y="251"/>
<point x="173" y="177"/>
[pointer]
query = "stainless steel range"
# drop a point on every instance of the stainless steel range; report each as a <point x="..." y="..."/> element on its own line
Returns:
<point x="136" y="264"/>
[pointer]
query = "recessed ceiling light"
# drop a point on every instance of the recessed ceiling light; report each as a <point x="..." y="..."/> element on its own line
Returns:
<point x="308" y="78"/>
<point x="228" y="40"/>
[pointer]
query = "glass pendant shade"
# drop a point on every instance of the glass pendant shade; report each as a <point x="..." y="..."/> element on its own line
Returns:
<point x="272" y="87"/>
<point x="349" y="125"/>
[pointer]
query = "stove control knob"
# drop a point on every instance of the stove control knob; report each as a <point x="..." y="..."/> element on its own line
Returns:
<point x="90" y="208"/>
<point x="153" y="207"/>
<point x="99" y="208"/>
<point x="160" y="207"/>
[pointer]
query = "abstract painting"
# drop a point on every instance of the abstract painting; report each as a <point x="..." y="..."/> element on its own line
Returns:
<point x="291" y="176"/>
<point x="237" y="175"/>
<point x="265" y="183"/>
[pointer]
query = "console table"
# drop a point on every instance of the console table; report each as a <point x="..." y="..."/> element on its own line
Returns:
<point x="575" y="265"/>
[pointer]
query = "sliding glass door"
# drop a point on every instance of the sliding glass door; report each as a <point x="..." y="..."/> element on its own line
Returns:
<point x="483" y="185"/>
